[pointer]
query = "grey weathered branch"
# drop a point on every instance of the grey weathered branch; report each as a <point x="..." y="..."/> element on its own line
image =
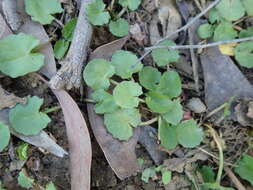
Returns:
<point x="69" y="74"/>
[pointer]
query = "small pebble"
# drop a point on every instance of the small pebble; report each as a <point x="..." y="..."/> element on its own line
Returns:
<point x="196" y="105"/>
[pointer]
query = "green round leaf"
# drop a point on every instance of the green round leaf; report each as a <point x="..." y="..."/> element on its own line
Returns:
<point x="125" y="63"/>
<point x="170" y="84"/>
<point x="68" y="29"/>
<point x="60" y="48"/>
<point x="42" y="10"/>
<point x="50" y="186"/>
<point x="231" y="10"/>
<point x="119" y="27"/>
<point x="131" y="4"/>
<point x="120" y="122"/>
<point x="148" y="173"/>
<point x="25" y="181"/>
<point x="166" y="176"/>
<point x="163" y="56"/>
<point x="245" y="168"/>
<point x="16" y="57"/>
<point x="224" y="31"/>
<point x="189" y="134"/>
<point x="4" y="136"/>
<point x="213" y="16"/>
<point x="149" y="77"/>
<point x="97" y="73"/>
<point x="205" y="31"/>
<point x="126" y="94"/>
<point x="244" y="55"/>
<point x="106" y="103"/>
<point x="174" y="115"/>
<point x="208" y="174"/>
<point x="158" y="102"/>
<point x="26" y="119"/>
<point x="167" y="135"/>
<point x="96" y="13"/>
<point x="248" y="4"/>
<point x="246" y="33"/>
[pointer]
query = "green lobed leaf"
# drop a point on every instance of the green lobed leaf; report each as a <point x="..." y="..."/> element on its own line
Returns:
<point x="125" y="63"/>
<point x="96" y="13"/>
<point x="163" y="56"/>
<point x="120" y="122"/>
<point x="106" y="103"/>
<point x="189" y="134"/>
<point x="246" y="33"/>
<point x="60" y="48"/>
<point x="166" y="176"/>
<point x="16" y="56"/>
<point x="244" y="54"/>
<point x="167" y="134"/>
<point x="174" y="115"/>
<point x="131" y="4"/>
<point x="42" y="10"/>
<point x="119" y="27"/>
<point x="148" y="173"/>
<point x="205" y="31"/>
<point x="68" y="29"/>
<point x="97" y="73"/>
<point x="231" y="10"/>
<point x="158" y="102"/>
<point x="22" y="151"/>
<point x="224" y="31"/>
<point x="4" y="136"/>
<point x="170" y="84"/>
<point x="213" y="16"/>
<point x="126" y="94"/>
<point x="50" y="186"/>
<point x="149" y="77"/>
<point x="26" y="119"/>
<point x="208" y="174"/>
<point x="24" y="181"/>
<point x="245" y="168"/>
<point x="248" y="4"/>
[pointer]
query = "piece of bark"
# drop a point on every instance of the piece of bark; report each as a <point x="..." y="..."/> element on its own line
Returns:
<point x="69" y="74"/>
<point x="223" y="79"/>
<point x="120" y="155"/>
<point x="4" y="28"/>
<point x="79" y="141"/>
<point x="40" y="140"/>
<point x="244" y="112"/>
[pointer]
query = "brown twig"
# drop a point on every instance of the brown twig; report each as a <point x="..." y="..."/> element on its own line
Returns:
<point x="234" y="179"/>
<point x="195" y="62"/>
<point x="69" y="74"/>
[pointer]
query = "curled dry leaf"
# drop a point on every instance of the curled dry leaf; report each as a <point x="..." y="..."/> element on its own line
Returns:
<point x="9" y="100"/>
<point x="168" y="16"/>
<point x="244" y="112"/>
<point x="120" y="155"/>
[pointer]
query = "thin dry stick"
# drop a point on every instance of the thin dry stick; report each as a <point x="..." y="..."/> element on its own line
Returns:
<point x="184" y="28"/>
<point x="234" y="179"/>
<point x="194" y="60"/>
<point x="200" y="46"/>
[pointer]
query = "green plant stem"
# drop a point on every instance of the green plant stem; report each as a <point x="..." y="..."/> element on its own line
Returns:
<point x="114" y="82"/>
<point x="122" y="12"/>
<point x="89" y="100"/>
<point x="52" y="109"/>
<point x="149" y="122"/>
